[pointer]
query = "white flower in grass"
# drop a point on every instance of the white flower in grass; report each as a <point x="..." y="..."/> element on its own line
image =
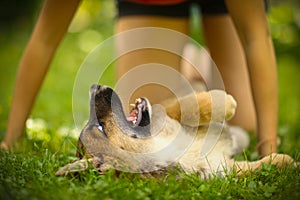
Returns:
<point x="37" y="129"/>
<point x="66" y="131"/>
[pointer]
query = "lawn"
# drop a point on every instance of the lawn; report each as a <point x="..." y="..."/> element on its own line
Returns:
<point x="51" y="136"/>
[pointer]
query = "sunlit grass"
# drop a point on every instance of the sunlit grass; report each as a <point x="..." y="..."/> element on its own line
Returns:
<point x="29" y="176"/>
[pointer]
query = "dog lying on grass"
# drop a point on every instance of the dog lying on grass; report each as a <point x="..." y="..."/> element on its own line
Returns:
<point x="188" y="133"/>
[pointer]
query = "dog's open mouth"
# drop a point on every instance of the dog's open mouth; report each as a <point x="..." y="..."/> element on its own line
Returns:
<point x="136" y="114"/>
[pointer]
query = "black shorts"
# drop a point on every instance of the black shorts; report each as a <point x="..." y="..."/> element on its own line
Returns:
<point x="212" y="7"/>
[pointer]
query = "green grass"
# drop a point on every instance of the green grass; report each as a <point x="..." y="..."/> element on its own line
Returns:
<point x="50" y="140"/>
<point x="31" y="176"/>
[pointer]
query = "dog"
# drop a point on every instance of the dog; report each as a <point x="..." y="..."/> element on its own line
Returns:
<point x="189" y="133"/>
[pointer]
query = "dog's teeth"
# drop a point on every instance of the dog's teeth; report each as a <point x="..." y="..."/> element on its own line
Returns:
<point x="139" y="100"/>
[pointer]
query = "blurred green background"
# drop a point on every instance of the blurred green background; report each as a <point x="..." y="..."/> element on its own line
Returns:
<point x="93" y="23"/>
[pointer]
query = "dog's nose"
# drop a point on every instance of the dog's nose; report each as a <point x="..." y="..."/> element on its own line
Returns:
<point x="95" y="87"/>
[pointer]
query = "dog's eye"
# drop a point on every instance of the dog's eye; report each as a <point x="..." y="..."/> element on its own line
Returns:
<point x="101" y="128"/>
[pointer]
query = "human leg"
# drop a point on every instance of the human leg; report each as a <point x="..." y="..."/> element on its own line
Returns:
<point x="48" y="32"/>
<point x="250" y="21"/>
<point x="129" y="61"/>
<point x="227" y="53"/>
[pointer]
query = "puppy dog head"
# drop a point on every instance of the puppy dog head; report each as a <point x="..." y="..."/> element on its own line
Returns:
<point x="104" y="101"/>
<point x="108" y="134"/>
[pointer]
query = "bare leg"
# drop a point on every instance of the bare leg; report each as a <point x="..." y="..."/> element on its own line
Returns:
<point x="50" y="28"/>
<point x="227" y="53"/>
<point x="250" y="21"/>
<point x="155" y="93"/>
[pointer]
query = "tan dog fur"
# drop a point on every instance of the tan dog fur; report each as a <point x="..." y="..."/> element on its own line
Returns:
<point x="180" y="126"/>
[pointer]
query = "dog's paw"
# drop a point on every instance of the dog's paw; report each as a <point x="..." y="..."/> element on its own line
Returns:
<point x="231" y="106"/>
<point x="202" y="108"/>
<point x="223" y="105"/>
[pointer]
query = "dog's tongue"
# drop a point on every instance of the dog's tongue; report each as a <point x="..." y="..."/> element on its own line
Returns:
<point x="132" y="118"/>
<point x="135" y="115"/>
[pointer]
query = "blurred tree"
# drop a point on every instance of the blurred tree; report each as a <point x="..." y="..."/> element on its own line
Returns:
<point x="284" y="20"/>
<point x="12" y="11"/>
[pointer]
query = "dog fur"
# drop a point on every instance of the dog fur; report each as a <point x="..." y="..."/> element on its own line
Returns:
<point x="189" y="133"/>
